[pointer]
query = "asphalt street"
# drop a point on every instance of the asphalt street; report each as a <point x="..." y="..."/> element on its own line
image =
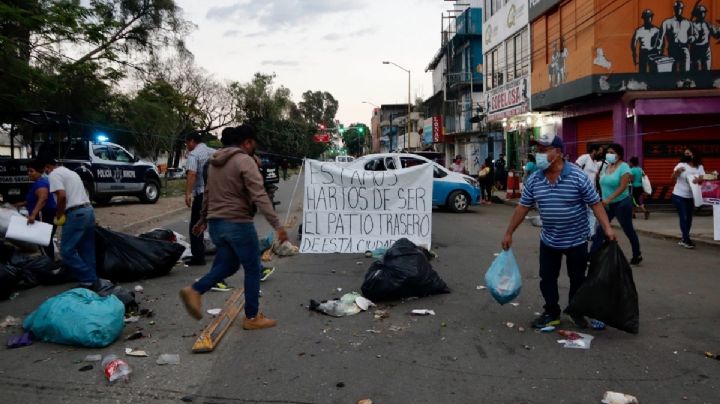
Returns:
<point x="466" y="353"/>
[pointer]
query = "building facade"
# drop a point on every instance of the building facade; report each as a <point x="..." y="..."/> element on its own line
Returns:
<point x="641" y="73"/>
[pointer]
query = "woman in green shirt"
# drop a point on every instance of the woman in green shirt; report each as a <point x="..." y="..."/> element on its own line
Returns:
<point x="614" y="184"/>
<point x="637" y="187"/>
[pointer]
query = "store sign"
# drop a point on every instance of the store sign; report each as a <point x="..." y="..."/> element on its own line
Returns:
<point x="438" y="131"/>
<point x="676" y="149"/>
<point x="539" y="7"/>
<point x="507" y="100"/>
<point x="321" y="138"/>
<point x="509" y="20"/>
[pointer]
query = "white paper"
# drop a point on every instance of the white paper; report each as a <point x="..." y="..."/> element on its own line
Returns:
<point x="716" y="222"/>
<point x="37" y="233"/>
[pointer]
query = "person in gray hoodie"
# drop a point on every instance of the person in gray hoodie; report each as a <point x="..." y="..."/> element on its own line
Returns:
<point x="233" y="190"/>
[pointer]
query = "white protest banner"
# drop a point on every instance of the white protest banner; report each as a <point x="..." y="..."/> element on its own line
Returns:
<point x="352" y="210"/>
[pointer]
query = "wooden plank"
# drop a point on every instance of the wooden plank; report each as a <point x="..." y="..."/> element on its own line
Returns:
<point x="213" y="333"/>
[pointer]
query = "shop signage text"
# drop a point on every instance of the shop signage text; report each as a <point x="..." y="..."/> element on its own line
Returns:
<point x="507" y="100"/>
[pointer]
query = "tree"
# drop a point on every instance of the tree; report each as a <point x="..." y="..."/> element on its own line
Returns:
<point x="355" y="138"/>
<point x="318" y="107"/>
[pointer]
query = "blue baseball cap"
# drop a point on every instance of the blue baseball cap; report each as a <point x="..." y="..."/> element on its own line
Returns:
<point x="548" y="140"/>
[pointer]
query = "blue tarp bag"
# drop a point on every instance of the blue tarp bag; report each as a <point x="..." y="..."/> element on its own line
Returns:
<point x="78" y="317"/>
<point x="503" y="278"/>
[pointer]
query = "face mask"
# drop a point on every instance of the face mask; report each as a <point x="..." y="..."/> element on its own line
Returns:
<point x="686" y="159"/>
<point x="541" y="161"/>
<point x="611" y="158"/>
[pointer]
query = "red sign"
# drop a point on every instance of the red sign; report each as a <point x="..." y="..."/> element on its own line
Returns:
<point x="321" y="138"/>
<point x="438" y="132"/>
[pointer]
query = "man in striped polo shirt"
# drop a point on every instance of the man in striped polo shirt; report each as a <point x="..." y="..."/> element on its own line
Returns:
<point x="562" y="192"/>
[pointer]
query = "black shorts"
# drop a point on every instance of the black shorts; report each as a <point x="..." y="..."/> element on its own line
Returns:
<point x="637" y="192"/>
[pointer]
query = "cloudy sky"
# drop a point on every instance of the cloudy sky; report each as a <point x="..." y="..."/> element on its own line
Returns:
<point x="330" y="45"/>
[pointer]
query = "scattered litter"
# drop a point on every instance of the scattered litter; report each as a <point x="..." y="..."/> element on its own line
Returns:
<point x="395" y="328"/>
<point x="93" y="358"/>
<point x="340" y="385"/>
<point x="363" y="303"/>
<point x="575" y="339"/>
<point x="168" y="359"/>
<point x="136" y="353"/>
<point x="131" y="319"/>
<point x="612" y="397"/>
<point x="152" y="322"/>
<point x="285" y="249"/>
<point x="19" y="341"/>
<point x="480" y="287"/>
<point x="10" y="321"/>
<point x="381" y="314"/>
<point x="348" y="305"/>
<point x="521" y="329"/>
<point x="115" y="368"/>
<point x="443" y="324"/>
<point x="537" y="313"/>
<point x="368" y="254"/>
<point x="675" y="352"/>
<point x="136" y="335"/>
<point x="549" y="328"/>
<point x="509" y="324"/>
<point x="514" y="304"/>
<point x="710" y="355"/>
<point x="527" y="347"/>
<point x="147" y="313"/>
<point x="214" y="312"/>
<point x="365" y="401"/>
<point x="139" y="288"/>
<point x="358" y="263"/>
<point x="339" y="289"/>
<point x="86" y="368"/>
<point x="597" y="324"/>
<point x="187" y="399"/>
<point x="374" y="331"/>
<point x="423" y="312"/>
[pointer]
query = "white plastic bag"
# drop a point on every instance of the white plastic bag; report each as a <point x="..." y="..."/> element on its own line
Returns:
<point x="647" y="188"/>
<point x="503" y="278"/>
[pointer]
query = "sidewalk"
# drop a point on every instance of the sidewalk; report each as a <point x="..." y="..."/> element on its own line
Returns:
<point x="663" y="224"/>
<point x="129" y="216"/>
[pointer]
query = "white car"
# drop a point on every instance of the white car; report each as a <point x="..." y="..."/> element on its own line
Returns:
<point x="450" y="189"/>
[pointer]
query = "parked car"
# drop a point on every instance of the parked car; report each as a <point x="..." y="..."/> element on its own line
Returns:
<point x="454" y="191"/>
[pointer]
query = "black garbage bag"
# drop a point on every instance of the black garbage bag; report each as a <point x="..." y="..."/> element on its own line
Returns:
<point x="127" y="297"/>
<point x="608" y="294"/>
<point x="9" y="280"/>
<point x="41" y="269"/>
<point x="160" y="234"/>
<point x="125" y="258"/>
<point x="404" y="271"/>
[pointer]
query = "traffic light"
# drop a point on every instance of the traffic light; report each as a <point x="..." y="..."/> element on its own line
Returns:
<point x="341" y="128"/>
<point x="360" y="129"/>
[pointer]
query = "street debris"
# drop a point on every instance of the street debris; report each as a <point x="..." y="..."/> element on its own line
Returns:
<point x="612" y="397"/>
<point x="168" y="359"/>
<point x="365" y="401"/>
<point x="78" y="317"/>
<point x="514" y="304"/>
<point x="131" y="319"/>
<point x="597" y="324"/>
<point x="10" y="321"/>
<point x="521" y="329"/>
<point x="423" y="312"/>
<point x="19" y="341"/>
<point x="395" y="328"/>
<point x="404" y="271"/>
<point x="135" y="335"/>
<point x="549" y="328"/>
<point x="710" y="355"/>
<point x="575" y="339"/>
<point x="371" y="331"/>
<point x="348" y="305"/>
<point x="381" y="314"/>
<point x="340" y="385"/>
<point x="528" y="347"/>
<point x="139" y="289"/>
<point x="503" y="277"/>
<point x="509" y="324"/>
<point x="93" y="358"/>
<point x="480" y="287"/>
<point x="115" y="369"/>
<point x="86" y="368"/>
<point x="214" y="312"/>
<point x="285" y="249"/>
<point x="136" y="353"/>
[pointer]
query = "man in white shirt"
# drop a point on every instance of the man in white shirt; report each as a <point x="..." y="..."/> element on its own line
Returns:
<point x="75" y="212"/>
<point x="590" y="162"/>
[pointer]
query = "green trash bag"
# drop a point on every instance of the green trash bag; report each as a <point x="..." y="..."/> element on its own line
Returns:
<point x="78" y="317"/>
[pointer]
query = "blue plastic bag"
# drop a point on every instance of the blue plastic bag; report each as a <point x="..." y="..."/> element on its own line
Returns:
<point x="78" y="317"/>
<point x="503" y="278"/>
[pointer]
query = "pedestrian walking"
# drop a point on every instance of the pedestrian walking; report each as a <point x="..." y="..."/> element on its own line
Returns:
<point x="614" y="185"/>
<point x="591" y="162"/>
<point x="234" y="189"/>
<point x="39" y="202"/>
<point x="284" y="168"/>
<point x="76" y="215"/>
<point x="688" y="170"/>
<point x="562" y="193"/>
<point x="457" y="165"/>
<point x="638" y="194"/>
<point x="486" y="177"/>
<point x="530" y="167"/>
<point x="198" y="155"/>
<point x="500" y="173"/>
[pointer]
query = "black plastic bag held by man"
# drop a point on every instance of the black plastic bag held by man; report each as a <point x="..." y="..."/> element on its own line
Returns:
<point x="608" y="294"/>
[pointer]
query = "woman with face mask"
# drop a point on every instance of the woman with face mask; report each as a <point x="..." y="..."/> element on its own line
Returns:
<point x="690" y="169"/>
<point x="39" y="202"/>
<point x="615" y="180"/>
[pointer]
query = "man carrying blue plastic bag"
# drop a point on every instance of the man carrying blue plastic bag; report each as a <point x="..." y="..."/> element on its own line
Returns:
<point x="562" y="192"/>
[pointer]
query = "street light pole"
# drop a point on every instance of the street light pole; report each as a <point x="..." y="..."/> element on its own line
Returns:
<point x="407" y="121"/>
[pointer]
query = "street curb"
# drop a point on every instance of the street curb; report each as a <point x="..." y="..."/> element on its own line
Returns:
<point x="653" y="234"/>
<point x="133" y="227"/>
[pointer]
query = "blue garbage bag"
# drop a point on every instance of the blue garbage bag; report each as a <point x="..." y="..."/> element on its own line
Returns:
<point x="78" y="317"/>
<point x="503" y="278"/>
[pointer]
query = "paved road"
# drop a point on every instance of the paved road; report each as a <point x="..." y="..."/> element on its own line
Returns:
<point x="464" y="354"/>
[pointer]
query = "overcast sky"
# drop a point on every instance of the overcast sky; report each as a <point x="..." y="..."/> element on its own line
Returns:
<point x="330" y="45"/>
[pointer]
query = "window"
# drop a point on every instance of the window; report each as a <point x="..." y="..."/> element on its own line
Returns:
<point x="375" y="165"/>
<point x="390" y="163"/>
<point x="406" y="162"/>
<point x="511" y="59"/>
<point x="438" y="173"/>
<point x="121" y="155"/>
<point x="101" y="152"/>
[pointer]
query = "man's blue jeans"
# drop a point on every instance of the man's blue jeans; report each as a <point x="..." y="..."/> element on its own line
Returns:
<point x="685" y="208"/>
<point x="550" y="263"/>
<point x="623" y="210"/>
<point x="237" y="244"/>
<point x="77" y="246"/>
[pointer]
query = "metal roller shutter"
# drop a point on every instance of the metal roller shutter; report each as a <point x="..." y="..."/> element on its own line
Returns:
<point x="596" y="128"/>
